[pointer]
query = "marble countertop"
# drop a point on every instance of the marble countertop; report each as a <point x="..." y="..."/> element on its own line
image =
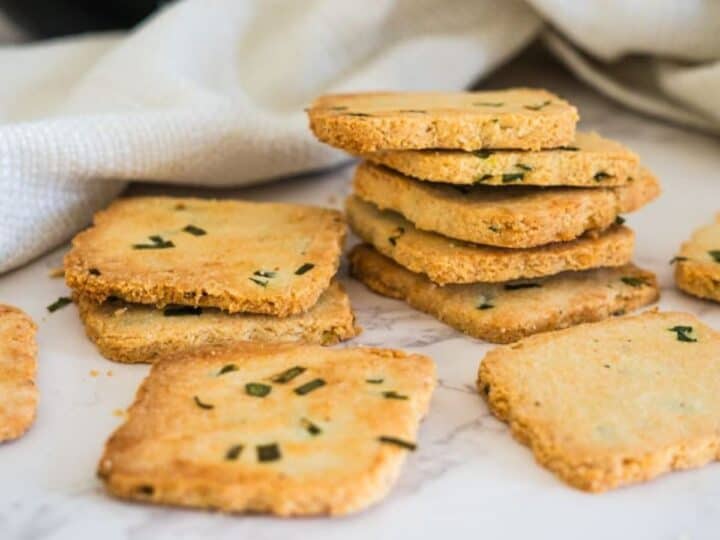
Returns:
<point x="468" y="475"/>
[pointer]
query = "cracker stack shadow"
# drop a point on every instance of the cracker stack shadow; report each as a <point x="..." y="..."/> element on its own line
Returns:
<point x="488" y="211"/>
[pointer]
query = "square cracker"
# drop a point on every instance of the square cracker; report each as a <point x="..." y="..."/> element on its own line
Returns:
<point x="591" y="161"/>
<point x="453" y="261"/>
<point x="524" y="118"/>
<point x="611" y="403"/>
<point x="18" y="366"/>
<point x="697" y="269"/>
<point x="513" y="216"/>
<point x="269" y="258"/>
<point x="141" y="333"/>
<point x="284" y="429"/>
<point x="506" y="312"/>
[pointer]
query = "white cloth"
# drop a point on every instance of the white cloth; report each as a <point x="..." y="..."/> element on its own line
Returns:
<point x="211" y="92"/>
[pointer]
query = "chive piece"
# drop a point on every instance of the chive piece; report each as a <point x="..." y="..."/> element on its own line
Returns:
<point x="157" y="243"/>
<point x="260" y="282"/>
<point x="306" y="267"/>
<point x="678" y="258"/>
<point x="59" y="304"/>
<point x="483" y="178"/>
<point x="268" y="452"/>
<point x="634" y="281"/>
<point x="176" y="311"/>
<point x="682" y="333"/>
<point x="494" y="228"/>
<point x="392" y="394"/>
<point x="512" y="177"/>
<point x="362" y="114"/>
<point x="601" y="175"/>
<point x="523" y="167"/>
<point x="485" y="305"/>
<point x="257" y="389"/>
<point x="94" y="272"/>
<point x="619" y="220"/>
<point x="483" y="154"/>
<point x="397" y="442"/>
<point x="311" y="428"/>
<point x="309" y="387"/>
<point x="202" y="405"/>
<point x="516" y="286"/>
<point x="233" y="452"/>
<point x="399" y="232"/>
<point x="146" y="489"/>
<point x="265" y="273"/>
<point x="374" y="381"/>
<point x="419" y="111"/>
<point x="715" y="254"/>
<point x="488" y="104"/>
<point x="569" y="148"/>
<point x="227" y="368"/>
<point x="288" y="375"/>
<point x="195" y="231"/>
<point x="538" y="106"/>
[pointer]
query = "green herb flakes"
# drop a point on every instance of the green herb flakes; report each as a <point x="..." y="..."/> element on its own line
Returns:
<point x="507" y="178"/>
<point x="516" y="286"/>
<point x="619" y="220"/>
<point x="288" y="375"/>
<point x="157" y="243"/>
<point x="195" y="231"/>
<point x="392" y="394"/>
<point x="234" y="452"/>
<point x="397" y="442"/>
<point x="488" y="104"/>
<point x="523" y="167"/>
<point x="268" y="452"/>
<point x="715" y="254"/>
<point x="678" y="259"/>
<point x="311" y="428"/>
<point x="265" y="273"/>
<point x="59" y="304"/>
<point x="485" y="305"/>
<point x="601" y="175"/>
<point x="257" y="389"/>
<point x="483" y="154"/>
<point x="178" y="311"/>
<point x="360" y="114"/>
<point x="399" y="231"/>
<point x="569" y="148"/>
<point x="202" y="404"/>
<point x="374" y="381"/>
<point x="306" y="267"/>
<point x="683" y="333"/>
<point x="309" y="387"/>
<point x="538" y="106"/>
<point x="634" y="281"/>
<point x="260" y="282"/>
<point x="227" y="368"/>
<point x="483" y="178"/>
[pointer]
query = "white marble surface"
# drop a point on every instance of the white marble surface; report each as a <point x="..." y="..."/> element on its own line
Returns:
<point x="468" y="475"/>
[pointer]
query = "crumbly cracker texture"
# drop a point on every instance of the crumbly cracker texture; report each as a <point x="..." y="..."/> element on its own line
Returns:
<point x="697" y="267"/>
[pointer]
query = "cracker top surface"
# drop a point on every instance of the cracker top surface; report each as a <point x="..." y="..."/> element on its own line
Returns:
<point x="704" y="247"/>
<point x="236" y="255"/>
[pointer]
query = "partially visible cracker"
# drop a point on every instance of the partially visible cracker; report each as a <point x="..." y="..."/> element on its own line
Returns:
<point x="697" y="269"/>
<point x="591" y="161"/>
<point x="269" y="258"/>
<point x="284" y="429"/>
<point x="506" y="312"/>
<point x="524" y="118"/>
<point x="18" y="366"/>
<point x="612" y="403"/>
<point x="515" y="217"/>
<point x="140" y="333"/>
<point x="445" y="260"/>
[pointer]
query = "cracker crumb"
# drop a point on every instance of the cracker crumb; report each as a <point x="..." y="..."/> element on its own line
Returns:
<point x="94" y="373"/>
<point x="57" y="272"/>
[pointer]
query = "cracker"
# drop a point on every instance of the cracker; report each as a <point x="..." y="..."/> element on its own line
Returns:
<point x="506" y="312"/>
<point x="445" y="260"/>
<point x="18" y="366"/>
<point x="140" y="333"/>
<point x="284" y="429"/>
<point x="523" y="118"/>
<point x="254" y="257"/>
<point x="516" y="217"/>
<point x="607" y="404"/>
<point x="697" y="269"/>
<point x="591" y="161"/>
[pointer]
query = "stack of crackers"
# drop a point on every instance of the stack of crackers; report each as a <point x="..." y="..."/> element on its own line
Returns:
<point x="160" y="276"/>
<point x="488" y="210"/>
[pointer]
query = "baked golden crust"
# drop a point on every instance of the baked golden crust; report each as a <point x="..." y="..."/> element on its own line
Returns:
<point x="238" y="256"/>
<point x="139" y="333"/>
<point x="18" y="366"/>
<point x="194" y="433"/>
<point x="591" y="161"/>
<point x="445" y="260"/>
<point x="515" y="217"/>
<point x="525" y="118"/>
<point x="506" y="312"/>
<point x="611" y="403"/>
<point x="697" y="269"/>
